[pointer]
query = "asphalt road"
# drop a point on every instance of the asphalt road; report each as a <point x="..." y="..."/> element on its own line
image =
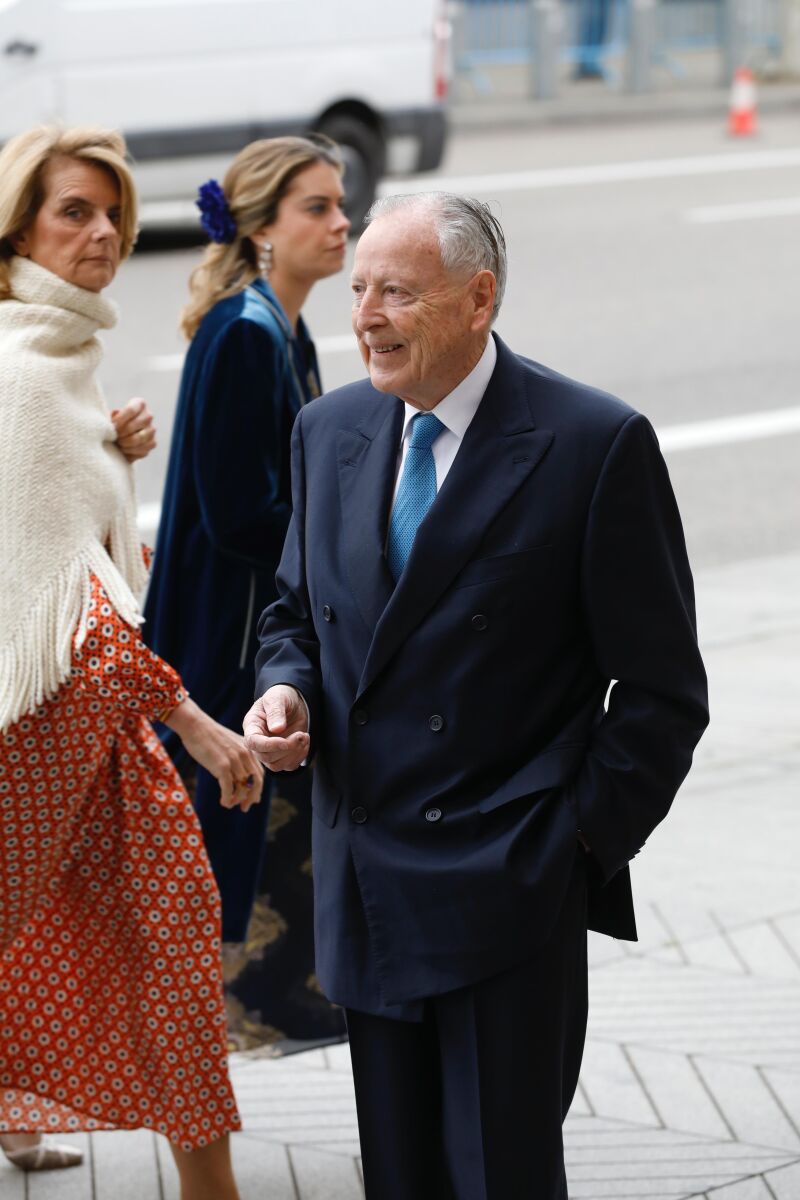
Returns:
<point x="660" y="263"/>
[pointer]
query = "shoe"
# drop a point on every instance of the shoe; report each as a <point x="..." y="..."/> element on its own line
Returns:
<point x="43" y="1155"/>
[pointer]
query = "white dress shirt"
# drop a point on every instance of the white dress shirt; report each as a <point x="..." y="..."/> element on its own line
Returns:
<point x="455" y="412"/>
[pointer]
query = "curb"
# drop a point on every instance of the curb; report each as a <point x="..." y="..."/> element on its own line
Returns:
<point x="602" y="108"/>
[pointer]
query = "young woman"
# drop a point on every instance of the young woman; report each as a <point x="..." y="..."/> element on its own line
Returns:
<point x="276" y="226"/>
<point x="111" y="1009"/>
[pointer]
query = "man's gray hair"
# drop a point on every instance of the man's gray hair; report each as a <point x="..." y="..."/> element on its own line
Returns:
<point x="470" y="236"/>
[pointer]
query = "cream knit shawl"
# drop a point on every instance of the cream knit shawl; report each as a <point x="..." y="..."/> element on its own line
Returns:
<point x="67" y="506"/>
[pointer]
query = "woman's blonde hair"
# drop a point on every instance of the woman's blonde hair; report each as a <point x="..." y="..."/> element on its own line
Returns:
<point x="254" y="185"/>
<point x="22" y="164"/>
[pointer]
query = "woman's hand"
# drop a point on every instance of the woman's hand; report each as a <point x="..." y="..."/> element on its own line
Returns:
<point x="222" y="752"/>
<point x="136" y="430"/>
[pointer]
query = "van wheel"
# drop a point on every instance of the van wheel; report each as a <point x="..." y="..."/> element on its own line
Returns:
<point x="364" y="155"/>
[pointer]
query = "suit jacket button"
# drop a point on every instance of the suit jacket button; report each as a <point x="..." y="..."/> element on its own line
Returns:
<point x="360" y="716"/>
<point x="327" y="613"/>
<point x="480" y="622"/>
<point x="433" y="814"/>
<point x="359" y="815"/>
<point x="436" y="723"/>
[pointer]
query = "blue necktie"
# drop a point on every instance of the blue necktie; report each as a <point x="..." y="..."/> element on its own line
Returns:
<point x="416" y="493"/>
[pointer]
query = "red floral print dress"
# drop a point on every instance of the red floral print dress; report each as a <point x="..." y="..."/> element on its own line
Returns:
<point x="111" y="1010"/>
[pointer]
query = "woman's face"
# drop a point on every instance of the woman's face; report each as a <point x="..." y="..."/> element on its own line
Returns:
<point x="76" y="232"/>
<point x="309" y="235"/>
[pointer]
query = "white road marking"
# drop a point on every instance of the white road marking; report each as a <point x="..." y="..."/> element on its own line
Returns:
<point x="748" y="211"/>
<point x="184" y="212"/>
<point x="147" y="518"/>
<point x="719" y="431"/>
<point x="724" y="431"/>
<point x="164" y="362"/>
<point x="164" y="213"/>
<point x="337" y="343"/>
<point x="581" y="176"/>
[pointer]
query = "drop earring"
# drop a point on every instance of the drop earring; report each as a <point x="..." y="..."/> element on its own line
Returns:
<point x="265" y="259"/>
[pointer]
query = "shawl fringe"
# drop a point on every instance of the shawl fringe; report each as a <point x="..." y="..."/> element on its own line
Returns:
<point x="36" y="660"/>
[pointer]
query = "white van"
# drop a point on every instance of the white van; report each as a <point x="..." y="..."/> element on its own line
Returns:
<point x="189" y="82"/>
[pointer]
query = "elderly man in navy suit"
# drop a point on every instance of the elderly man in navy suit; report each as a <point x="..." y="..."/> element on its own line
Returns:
<point x="479" y="548"/>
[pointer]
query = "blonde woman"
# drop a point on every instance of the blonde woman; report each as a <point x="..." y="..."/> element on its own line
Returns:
<point x="111" y="1011"/>
<point x="276" y="227"/>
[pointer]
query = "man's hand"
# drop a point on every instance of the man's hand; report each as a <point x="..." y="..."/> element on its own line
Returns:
<point x="136" y="431"/>
<point x="276" y="729"/>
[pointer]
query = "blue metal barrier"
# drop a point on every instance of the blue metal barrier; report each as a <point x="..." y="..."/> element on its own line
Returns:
<point x="501" y="33"/>
<point x="493" y="32"/>
<point x="690" y="24"/>
<point x="595" y="33"/>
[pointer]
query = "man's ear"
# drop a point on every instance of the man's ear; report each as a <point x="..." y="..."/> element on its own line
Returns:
<point x="484" y="290"/>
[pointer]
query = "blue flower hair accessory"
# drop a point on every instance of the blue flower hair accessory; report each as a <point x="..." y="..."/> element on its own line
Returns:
<point x="215" y="215"/>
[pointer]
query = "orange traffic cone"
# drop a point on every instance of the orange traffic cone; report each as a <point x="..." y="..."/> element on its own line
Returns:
<point x="742" y="113"/>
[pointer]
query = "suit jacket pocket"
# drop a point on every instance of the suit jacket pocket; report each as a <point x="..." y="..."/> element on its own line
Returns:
<point x="552" y="768"/>
<point x="503" y="566"/>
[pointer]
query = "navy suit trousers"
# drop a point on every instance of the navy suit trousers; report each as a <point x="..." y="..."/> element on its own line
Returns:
<point x="468" y="1104"/>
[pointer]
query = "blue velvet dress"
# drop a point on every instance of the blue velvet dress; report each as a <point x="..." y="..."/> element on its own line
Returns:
<point x="225" y="510"/>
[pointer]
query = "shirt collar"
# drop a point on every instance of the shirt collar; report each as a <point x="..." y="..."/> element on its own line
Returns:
<point x="458" y="408"/>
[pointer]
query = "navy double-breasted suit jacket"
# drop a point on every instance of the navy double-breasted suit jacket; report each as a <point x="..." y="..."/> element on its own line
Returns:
<point x="458" y="719"/>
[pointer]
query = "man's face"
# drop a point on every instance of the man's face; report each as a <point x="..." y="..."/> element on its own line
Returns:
<point x="420" y="329"/>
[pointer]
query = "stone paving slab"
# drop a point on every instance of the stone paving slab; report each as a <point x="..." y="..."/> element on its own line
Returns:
<point x="785" y="1184"/>
<point x="691" y="1078"/>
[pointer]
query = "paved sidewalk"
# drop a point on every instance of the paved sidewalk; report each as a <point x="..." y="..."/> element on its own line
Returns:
<point x="591" y="103"/>
<point x="695" y="90"/>
<point x="691" y="1079"/>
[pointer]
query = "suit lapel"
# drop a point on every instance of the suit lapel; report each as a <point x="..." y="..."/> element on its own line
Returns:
<point x="367" y="458"/>
<point x="499" y="452"/>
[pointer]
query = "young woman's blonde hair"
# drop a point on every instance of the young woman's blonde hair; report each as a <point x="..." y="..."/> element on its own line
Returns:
<point x="254" y="185"/>
<point x="22" y="164"/>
